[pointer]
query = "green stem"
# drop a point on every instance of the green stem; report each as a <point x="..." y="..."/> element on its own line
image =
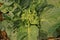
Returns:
<point x="39" y="26"/>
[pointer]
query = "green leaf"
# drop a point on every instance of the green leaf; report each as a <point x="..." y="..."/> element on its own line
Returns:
<point x="25" y="3"/>
<point x="6" y="17"/>
<point x="49" y="20"/>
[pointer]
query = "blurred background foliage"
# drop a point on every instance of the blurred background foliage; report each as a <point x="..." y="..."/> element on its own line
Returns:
<point x="30" y="19"/>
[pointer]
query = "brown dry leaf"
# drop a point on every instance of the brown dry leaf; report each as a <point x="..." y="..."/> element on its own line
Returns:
<point x="1" y="4"/>
<point x="3" y="35"/>
<point x="1" y="17"/>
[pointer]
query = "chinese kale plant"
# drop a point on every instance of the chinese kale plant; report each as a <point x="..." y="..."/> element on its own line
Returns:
<point x="22" y="17"/>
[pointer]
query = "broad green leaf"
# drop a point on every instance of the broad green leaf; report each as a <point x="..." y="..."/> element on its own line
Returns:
<point x="50" y="19"/>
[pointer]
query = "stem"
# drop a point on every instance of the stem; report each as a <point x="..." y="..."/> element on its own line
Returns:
<point x="39" y="25"/>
